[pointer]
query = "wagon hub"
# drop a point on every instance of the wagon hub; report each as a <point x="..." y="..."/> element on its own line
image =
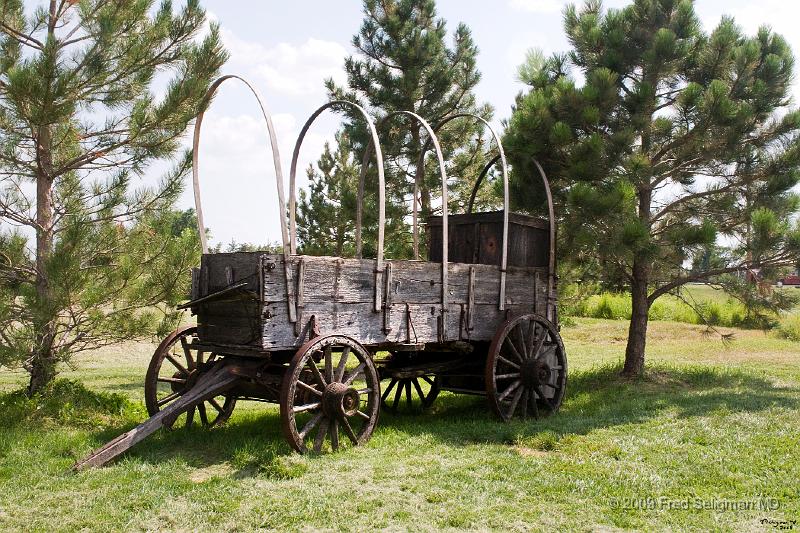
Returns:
<point x="535" y="373"/>
<point x="339" y="400"/>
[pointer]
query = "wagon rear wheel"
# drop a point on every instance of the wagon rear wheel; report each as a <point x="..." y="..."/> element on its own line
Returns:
<point x="426" y="387"/>
<point x="526" y="370"/>
<point x="330" y="395"/>
<point x="173" y="370"/>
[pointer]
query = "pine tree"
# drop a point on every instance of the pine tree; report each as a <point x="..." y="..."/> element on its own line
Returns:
<point x="79" y="123"/>
<point x="325" y="221"/>
<point x="405" y="64"/>
<point x="675" y="141"/>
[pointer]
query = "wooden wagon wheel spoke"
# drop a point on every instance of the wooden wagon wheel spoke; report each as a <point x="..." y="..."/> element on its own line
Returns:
<point x="514" y="386"/>
<point x="176" y="364"/>
<point x="309" y="388"/>
<point x="534" y="405"/>
<point x="187" y="353"/>
<point x="342" y="364"/>
<point x="348" y="429"/>
<point x="328" y="356"/>
<point x="397" y="395"/>
<point x="307" y="407"/>
<point x="168" y="379"/>
<point x="216" y="405"/>
<point x="507" y="362"/>
<point x="203" y="414"/>
<point x="166" y="399"/>
<point x="326" y="407"/>
<point x="428" y="380"/>
<point x="315" y="371"/>
<point x="389" y="389"/>
<point x="542" y="364"/>
<point x="334" y="430"/>
<point x="521" y="337"/>
<point x="177" y="381"/>
<point x="515" y="401"/>
<point x="539" y="343"/>
<point x="408" y="392"/>
<point x="321" y="433"/>
<point x="514" y="351"/>
<point x="311" y="424"/>
<point x="419" y="389"/>
<point x="532" y="340"/>
<point x="353" y="375"/>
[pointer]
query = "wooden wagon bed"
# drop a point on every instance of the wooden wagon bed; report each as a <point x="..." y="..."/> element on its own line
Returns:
<point x="340" y="294"/>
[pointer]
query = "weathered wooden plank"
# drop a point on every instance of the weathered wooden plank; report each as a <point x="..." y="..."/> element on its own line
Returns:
<point x="208" y="385"/>
<point x="361" y="322"/>
<point x="223" y="270"/>
<point x="412" y="282"/>
<point x="225" y="330"/>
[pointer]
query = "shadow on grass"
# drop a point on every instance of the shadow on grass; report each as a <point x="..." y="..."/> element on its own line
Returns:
<point x="598" y="398"/>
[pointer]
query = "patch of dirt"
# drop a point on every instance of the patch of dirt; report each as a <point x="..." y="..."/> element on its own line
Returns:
<point x="524" y="451"/>
<point x="201" y="475"/>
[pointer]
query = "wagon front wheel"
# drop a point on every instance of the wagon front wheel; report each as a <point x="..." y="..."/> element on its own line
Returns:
<point x="174" y="369"/>
<point x="330" y="395"/>
<point x="526" y="370"/>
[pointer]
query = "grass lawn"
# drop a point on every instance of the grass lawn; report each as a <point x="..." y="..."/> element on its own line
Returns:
<point x="710" y="424"/>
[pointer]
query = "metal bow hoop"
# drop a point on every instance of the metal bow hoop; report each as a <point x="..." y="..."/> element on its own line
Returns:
<point x="442" y="171"/>
<point x="381" y="188"/>
<point x="551" y="220"/>
<point x="418" y="181"/>
<point x="276" y="158"/>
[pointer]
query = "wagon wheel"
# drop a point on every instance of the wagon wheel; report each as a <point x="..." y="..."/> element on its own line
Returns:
<point x="173" y="370"/>
<point x="398" y="385"/>
<point x="526" y="370"/>
<point x="330" y="392"/>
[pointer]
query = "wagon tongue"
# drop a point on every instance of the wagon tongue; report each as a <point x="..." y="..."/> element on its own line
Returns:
<point x="215" y="381"/>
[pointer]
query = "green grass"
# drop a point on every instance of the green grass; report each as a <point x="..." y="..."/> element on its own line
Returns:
<point x="709" y="421"/>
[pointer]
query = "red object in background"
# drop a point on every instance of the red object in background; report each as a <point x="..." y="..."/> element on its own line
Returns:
<point x="789" y="280"/>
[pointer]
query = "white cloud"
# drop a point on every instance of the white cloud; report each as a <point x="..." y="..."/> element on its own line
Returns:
<point x="286" y="68"/>
<point x="537" y="6"/>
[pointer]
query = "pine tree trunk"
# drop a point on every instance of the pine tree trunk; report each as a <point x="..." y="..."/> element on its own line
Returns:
<point x="642" y="265"/>
<point x="637" y="332"/>
<point x="42" y="365"/>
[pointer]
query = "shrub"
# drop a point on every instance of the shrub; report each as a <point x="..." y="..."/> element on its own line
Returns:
<point x="789" y="328"/>
<point x="617" y="306"/>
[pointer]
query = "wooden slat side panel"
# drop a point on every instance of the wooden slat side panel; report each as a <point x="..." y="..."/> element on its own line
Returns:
<point x="352" y="281"/>
<point x="359" y="321"/>
<point x="243" y="266"/>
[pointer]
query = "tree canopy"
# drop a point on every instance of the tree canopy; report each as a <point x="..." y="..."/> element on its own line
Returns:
<point x="79" y="123"/>
<point x="404" y="63"/>
<point x="661" y="141"/>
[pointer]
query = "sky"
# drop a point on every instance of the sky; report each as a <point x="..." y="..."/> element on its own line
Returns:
<point x="287" y="49"/>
